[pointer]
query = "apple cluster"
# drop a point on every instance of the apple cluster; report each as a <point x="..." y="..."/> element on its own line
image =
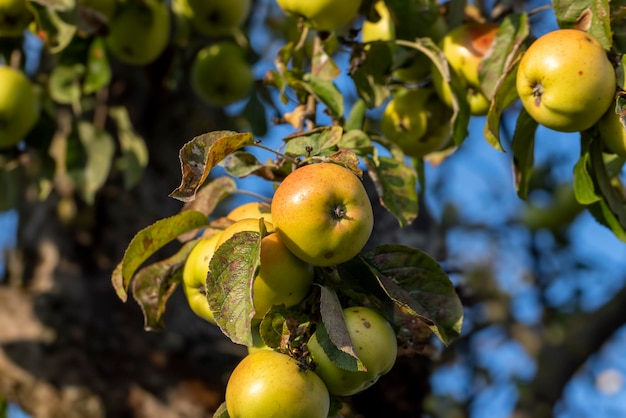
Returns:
<point x="320" y="216"/>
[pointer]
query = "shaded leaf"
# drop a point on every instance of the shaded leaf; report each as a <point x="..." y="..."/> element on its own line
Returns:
<point x="99" y="150"/>
<point x="326" y="92"/>
<point x="396" y="187"/>
<point x="370" y="72"/>
<point x="523" y="151"/>
<point x="201" y="154"/>
<point x="611" y="194"/>
<point x="419" y="286"/>
<point x="584" y="188"/>
<point x="154" y="284"/>
<point x="332" y="333"/>
<point x="98" y="70"/>
<point x="356" y="118"/>
<point x="134" y="150"/>
<point x="211" y="194"/>
<point x="10" y="173"/>
<point x="56" y="22"/>
<point x="231" y="275"/>
<point x="221" y="412"/>
<point x="64" y="84"/>
<point x="148" y="241"/>
<point x="357" y="141"/>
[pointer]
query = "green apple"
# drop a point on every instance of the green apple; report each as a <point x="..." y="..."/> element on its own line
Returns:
<point x="19" y="106"/>
<point x="566" y="81"/>
<point x="383" y="29"/>
<point x="405" y="119"/>
<point x="214" y="17"/>
<point x="374" y="342"/>
<point x="14" y="18"/>
<point x="612" y="129"/>
<point x="139" y="31"/>
<point x="323" y="15"/>
<point x="220" y="74"/>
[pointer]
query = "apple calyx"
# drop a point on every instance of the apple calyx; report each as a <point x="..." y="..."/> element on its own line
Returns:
<point x="338" y="212"/>
<point x="537" y="93"/>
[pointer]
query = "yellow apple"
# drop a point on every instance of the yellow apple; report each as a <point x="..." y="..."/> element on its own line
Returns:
<point x="14" y="18"/>
<point x="323" y="15"/>
<point x="565" y="80"/>
<point x="138" y="31"/>
<point x="19" y="106"/>
<point x="220" y="74"/>
<point x="322" y="213"/>
<point x="195" y="273"/>
<point x="253" y="210"/>
<point x="405" y="119"/>
<point x="214" y="17"/>
<point x="383" y="29"/>
<point x="282" y="278"/>
<point x="269" y="384"/>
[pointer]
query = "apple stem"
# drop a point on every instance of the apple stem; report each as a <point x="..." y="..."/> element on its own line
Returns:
<point x="275" y="152"/>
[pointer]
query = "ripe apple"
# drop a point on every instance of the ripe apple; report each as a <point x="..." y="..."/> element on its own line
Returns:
<point x="565" y="80"/>
<point x="194" y="276"/>
<point x="322" y="213"/>
<point x="139" y="31"/>
<point x="323" y="15"/>
<point x="267" y="384"/>
<point x="405" y="119"/>
<point x="255" y="210"/>
<point x="282" y="278"/>
<point x="19" y="106"/>
<point x="375" y="344"/>
<point x="14" y="18"/>
<point x="383" y="29"/>
<point x="220" y="75"/>
<point x="464" y="47"/>
<point x="613" y="132"/>
<point x="215" y="17"/>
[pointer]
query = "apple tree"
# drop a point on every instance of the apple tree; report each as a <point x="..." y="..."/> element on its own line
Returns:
<point x="266" y="176"/>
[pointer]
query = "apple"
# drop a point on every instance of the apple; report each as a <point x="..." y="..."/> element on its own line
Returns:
<point x="405" y="119"/>
<point x="374" y="342"/>
<point x="214" y="17"/>
<point x="322" y="213"/>
<point x="14" y="18"/>
<point x="220" y="74"/>
<point x="464" y="47"/>
<point x="267" y="384"/>
<point x="195" y="273"/>
<point x="322" y="15"/>
<point x="283" y="279"/>
<point x="19" y="106"/>
<point x="255" y="210"/>
<point x="565" y="80"/>
<point x="613" y="132"/>
<point x="138" y="31"/>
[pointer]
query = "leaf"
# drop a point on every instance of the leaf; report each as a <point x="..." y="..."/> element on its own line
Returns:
<point x="208" y="197"/>
<point x="326" y="92"/>
<point x="99" y="150"/>
<point x="618" y="14"/>
<point x="231" y="275"/>
<point x="584" y="188"/>
<point x="396" y="187"/>
<point x="591" y="17"/>
<point x="356" y="118"/>
<point x="221" y="412"/>
<point x="604" y="216"/>
<point x="255" y="115"/>
<point x="241" y="164"/>
<point x="64" y="83"/>
<point x="419" y="286"/>
<point x="148" y="241"/>
<point x="332" y="333"/>
<point x="356" y="141"/>
<point x="318" y="141"/>
<point x="134" y="150"/>
<point x="201" y="154"/>
<point x="56" y="23"/>
<point x="98" y="70"/>
<point x="154" y="284"/>
<point x="523" y="151"/>
<point x="324" y="66"/>
<point x="505" y="94"/>
<point x="612" y="195"/>
<point x="10" y="173"/>
<point x="370" y="72"/>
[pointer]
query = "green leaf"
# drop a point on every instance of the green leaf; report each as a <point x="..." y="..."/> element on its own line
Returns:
<point x="255" y="114"/>
<point x="319" y="141"/>
<point x="221" y="412"/>
<point x="201" y="154"/>
<point x="419" y="286"/>
<point x="357" y="141"/>
<point x="154" y="284"/>
<point x="148" y="241"/>
<point x="592" y="17"/>
<point x="611" y="194"/>
<point x="231" y="276"/>
<point x="371" y="70"/>
<point x="98" y="70"/>
<point x="584" y="188"/>
<point x="523" y="151"/>
<point x="64" y="83"/>
<point x="396" y="186"/>
<point x="241" y="164"/>
<point x="326" y="92"/>
<point x="332" y="333"/>
<point x="134" y="150"/>
<point x="324" y="66"/>
<point x="356" y="118"/>
<point x="604" y="216"/>
<point x="618" y="15"/>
